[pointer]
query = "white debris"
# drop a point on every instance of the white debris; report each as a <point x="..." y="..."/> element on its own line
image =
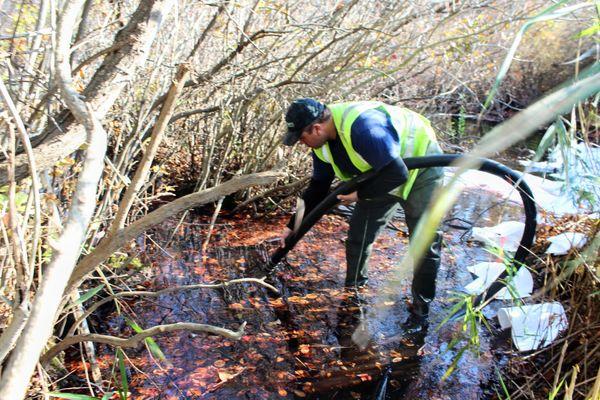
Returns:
<point x="506" y="235"/>
<point x="563" y="243"/>
<point x="541" y="166"/>
<point x="576" y="167"/>
<point x="533" y="326"/>
<point x="521" y="284"/>
<point x="548" y="195"/>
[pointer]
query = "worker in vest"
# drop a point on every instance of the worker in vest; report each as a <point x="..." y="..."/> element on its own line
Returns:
<point x="350" y="138"/>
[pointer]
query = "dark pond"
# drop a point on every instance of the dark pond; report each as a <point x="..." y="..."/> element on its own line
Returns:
<point x="300" y="345"/>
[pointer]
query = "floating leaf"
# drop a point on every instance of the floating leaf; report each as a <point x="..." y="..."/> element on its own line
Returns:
<point x="304" y="349"/>
<point x="219" y="363"/>
<point x="298" y="300"/>
<point x="236" y="306"/>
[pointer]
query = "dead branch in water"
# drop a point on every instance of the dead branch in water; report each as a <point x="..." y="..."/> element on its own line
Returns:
<point x="174" y="289"/>
<point x="135" y="340"/>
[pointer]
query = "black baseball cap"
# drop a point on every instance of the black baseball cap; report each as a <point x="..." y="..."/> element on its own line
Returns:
<point x="300" y="114"/>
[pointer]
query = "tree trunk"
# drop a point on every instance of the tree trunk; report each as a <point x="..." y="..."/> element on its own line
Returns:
<point x="38" y="328"/>
<point x="132" y="44"/>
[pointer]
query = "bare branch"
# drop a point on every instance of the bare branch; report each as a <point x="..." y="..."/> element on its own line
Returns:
<point x="12" y="332"/>
<point x="35" y="180"/>
<point x="135" y="340"/>
<point x="106" y="85"/>
<point x="143" y="169"/>
<point x="111" y="244"/>
<point x="175" y="289"/>
<point x="287" y="189"/>
<point x="38" y="328"/>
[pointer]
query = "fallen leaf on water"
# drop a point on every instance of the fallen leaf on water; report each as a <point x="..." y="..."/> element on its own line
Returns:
<point x="299" y="393"/>
<point x="304" y="349"/>
<point x="298" y="300"/>
<point x="395" y="353"/>
<point x="236" y="306"/>
<point x="364" y="377"/>
<point x="277" y="302"/>
<point x="282" y="392"/>
<point x="225" y="375"/>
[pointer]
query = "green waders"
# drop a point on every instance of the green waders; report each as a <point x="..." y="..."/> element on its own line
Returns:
<point x="371" y="216"/>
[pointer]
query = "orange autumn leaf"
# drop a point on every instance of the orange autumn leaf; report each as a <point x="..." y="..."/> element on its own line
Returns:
<point x="298" y="300"/>
<point x="304" y="349"/>
<point x="277" y="302"/>
<point x="224" y="376"/>
<point x="364" y="377"/>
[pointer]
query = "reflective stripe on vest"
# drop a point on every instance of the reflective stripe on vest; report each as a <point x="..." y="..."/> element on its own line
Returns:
<point x="414" y="132"/>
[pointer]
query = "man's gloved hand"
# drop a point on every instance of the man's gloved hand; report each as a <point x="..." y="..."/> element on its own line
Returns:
<point x="348" y="198"/>
<point x="284" y="235"/>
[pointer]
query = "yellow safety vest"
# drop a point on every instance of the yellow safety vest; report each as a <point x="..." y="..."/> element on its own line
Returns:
<point x="414" y="131"/>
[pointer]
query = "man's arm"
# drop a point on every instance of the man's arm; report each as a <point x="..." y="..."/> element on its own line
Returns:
<point x="376" y="140"/>
<point x="390" y="176"/>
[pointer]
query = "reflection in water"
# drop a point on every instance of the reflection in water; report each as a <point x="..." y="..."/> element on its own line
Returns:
<point x="369" y="365"/>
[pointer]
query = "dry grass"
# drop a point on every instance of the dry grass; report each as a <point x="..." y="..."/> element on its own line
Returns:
<point x="569" y="367"/>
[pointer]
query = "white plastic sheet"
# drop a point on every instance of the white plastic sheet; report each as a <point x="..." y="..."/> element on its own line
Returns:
<point x="548" y="195"/>
<point x="487" y="272"/>
<point x="533" y="326"/>
<point x="506" y="235"/>
<point x="563" y="243"/>
<point x="574" y="169"/>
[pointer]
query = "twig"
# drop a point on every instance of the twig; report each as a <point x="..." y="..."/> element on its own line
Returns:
<point x="106" y="247"/>
<point x="292" y="187"/>
<point x="212" y="224"/>
<point x="35" y="181"/>
<point x="95" y="306"/>
<point x="136" y="339"/>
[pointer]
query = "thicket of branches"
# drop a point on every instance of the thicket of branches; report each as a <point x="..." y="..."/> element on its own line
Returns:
<point x="111" y="106"/>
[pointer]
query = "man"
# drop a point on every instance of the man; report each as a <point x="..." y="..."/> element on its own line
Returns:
<point x="350" y="138"/>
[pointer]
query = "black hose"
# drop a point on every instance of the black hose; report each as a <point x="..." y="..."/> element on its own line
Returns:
<point x="381" y="389"/>
<point x="443" y="160"/>
<point x="316" y="213"/>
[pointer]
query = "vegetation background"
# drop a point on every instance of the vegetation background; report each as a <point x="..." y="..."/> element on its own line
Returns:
<point x="113" y="109"/>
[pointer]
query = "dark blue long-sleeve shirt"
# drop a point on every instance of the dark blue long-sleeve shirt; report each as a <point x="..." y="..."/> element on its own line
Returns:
<point x="378" y="143"/>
